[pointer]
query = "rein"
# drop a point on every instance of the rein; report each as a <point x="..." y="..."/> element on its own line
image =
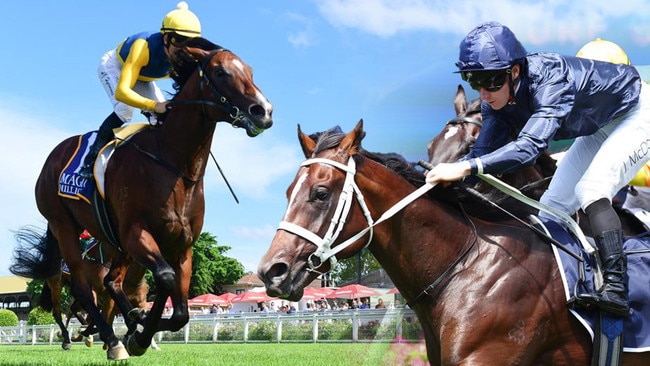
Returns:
<point x="324" y="250"/>
<point x="224" y="104"/>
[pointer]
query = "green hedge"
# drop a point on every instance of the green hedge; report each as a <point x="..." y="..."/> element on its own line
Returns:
<point x="38" y="316"/>
<point x="8" y="318"/>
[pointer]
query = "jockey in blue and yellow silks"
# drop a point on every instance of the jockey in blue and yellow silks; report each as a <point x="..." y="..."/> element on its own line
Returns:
<point x="128" y="74"/>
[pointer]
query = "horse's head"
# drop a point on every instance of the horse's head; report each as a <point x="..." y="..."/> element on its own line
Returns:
<point x="226" y="86"/>
<point x="318" y="217"/>
<point x="459" y="134"/>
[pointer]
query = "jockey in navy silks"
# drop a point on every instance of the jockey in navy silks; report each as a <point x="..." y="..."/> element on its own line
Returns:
<point x="546" y="96"/>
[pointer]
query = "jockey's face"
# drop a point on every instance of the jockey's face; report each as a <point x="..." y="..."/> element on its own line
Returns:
<point x="498" y="98"/>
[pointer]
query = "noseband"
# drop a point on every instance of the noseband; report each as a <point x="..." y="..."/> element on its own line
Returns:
<point x="324" y="250"/>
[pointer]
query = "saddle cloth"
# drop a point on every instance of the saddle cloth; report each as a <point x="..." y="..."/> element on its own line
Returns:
<point x="636" y="337"/>
<point x="74" y="186"/>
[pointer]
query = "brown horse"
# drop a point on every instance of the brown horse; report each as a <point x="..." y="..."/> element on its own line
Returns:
<point x="154" y="190"/>
<point x="494" y="292"/>
<point x="459" y="135"/>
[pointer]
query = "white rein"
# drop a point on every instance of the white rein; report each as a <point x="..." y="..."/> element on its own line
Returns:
<point x="324" y="250"/>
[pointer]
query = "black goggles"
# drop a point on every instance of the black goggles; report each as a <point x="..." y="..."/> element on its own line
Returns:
<point x="491" y="81"/>
<point x="177" y="40"/>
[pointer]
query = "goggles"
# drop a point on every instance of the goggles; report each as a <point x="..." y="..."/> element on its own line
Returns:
<point x="491" y="81"/>
<point x="177" y="40"/>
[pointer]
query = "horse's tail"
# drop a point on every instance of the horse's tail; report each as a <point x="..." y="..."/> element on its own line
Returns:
<point x="45" y="301"/>
<point x="36" y="255"/>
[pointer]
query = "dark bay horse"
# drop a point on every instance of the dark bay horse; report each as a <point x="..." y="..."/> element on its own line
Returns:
<point x="459" y="135"/>
<point x="495" y="292"/>
<point x="153" y="191"/>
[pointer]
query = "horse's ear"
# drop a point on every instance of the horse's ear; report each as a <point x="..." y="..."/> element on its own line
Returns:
<point x="460" y="101"/>
<point x="306" y="143"/>
<point x="352" y="142"/>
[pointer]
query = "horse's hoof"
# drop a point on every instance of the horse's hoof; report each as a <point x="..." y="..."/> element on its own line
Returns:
<point x="77" y="338"/>
<point x="89" y="341"/>
<point x="117" y="353"/>
<point x="66" y="346"/>
<point x="133" y="347"/>
<point x="105" y="346"/>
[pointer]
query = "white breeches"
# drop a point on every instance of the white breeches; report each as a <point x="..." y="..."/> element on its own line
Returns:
<point x="109" y="74"/>
<point x="599" y="165"/>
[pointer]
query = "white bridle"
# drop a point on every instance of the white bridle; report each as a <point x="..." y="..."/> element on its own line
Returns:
<point x="324" y="250"/>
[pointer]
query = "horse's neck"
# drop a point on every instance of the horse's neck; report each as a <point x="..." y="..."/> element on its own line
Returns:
<point x="417" y="245"/>
<point x="186" y="139"/>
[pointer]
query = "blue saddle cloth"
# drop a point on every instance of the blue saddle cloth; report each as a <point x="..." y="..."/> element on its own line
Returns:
<point x="71" y="184"/>
<point x="636" y="327"/>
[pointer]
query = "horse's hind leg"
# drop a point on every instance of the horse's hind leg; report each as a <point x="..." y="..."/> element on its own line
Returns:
<point x="53" y="287"/>
<point x="82" y="290"/>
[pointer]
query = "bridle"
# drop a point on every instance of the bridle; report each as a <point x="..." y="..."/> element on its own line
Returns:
<point x="324" y="245"/>
<point x="223" y="103"/>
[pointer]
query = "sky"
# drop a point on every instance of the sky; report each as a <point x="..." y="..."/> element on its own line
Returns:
<point x="321" y="63"/>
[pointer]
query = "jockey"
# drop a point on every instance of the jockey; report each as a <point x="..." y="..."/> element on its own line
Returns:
<point x="546" y="96"/>
<point x="128" y="74"/>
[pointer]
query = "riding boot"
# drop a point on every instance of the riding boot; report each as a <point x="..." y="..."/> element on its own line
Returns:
<point x="612" y="296"/>
<point x="104" y="135"/>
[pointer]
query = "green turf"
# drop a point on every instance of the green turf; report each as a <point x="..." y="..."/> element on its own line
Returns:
<point x="267" y="354"/>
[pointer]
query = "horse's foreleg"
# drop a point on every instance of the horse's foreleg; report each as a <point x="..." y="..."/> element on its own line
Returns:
<point x="113" y="283"/>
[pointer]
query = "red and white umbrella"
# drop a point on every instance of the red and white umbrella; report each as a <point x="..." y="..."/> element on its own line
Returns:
<point x="316" y="293"/>
<point x="394" y="290"/>
<point x="227" y="297"/>
<point x="251" y="296"/>
<point x="354" y="291"/>
<point x="207" y="299"/>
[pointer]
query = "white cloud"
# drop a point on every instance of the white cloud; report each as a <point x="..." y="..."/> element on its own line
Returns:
<point x="251" y="165"/>
<point x="27" y="142"/>
<point x="534" y="22"/>
<point x="305" y="36"/>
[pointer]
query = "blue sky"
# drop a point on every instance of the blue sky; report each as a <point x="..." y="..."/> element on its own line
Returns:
<point x="321" y="63"/>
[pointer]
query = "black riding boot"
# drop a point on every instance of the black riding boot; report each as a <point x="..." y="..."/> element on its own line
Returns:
<point x="104" y="135"/>
<point x="612" y="296"/>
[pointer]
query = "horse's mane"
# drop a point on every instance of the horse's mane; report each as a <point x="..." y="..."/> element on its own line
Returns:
<point x="458" y="193"/>
<point x="184" y="64"/>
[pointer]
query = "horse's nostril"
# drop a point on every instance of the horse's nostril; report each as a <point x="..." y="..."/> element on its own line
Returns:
<point x="257" y="111"/>
<point x="277" y="270"/>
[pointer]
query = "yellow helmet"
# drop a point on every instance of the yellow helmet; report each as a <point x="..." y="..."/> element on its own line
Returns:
<point x="182" y="22"/>
<point x="602" y="50"/>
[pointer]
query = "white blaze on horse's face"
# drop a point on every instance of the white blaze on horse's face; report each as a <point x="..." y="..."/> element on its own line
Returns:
<point x="296" y="188"/>
<point x="453" y="130"/>
<point x="261" y="99"/>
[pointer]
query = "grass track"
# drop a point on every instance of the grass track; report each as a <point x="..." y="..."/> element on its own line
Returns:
<point x="267" y="354"/>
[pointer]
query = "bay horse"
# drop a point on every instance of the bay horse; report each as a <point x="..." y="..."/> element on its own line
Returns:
<point x="494" y="292"/>
<point x="458" y="137"/>
<point x="153" y="191"/>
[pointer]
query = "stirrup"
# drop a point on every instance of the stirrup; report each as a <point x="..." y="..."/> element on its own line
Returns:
<point x="597" y="300"/>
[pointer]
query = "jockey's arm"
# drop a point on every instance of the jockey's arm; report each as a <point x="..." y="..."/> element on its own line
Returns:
<point x="137" y="59"/>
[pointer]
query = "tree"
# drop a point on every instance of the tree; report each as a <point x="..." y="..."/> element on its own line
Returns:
<point x="35" y="288"/>
<point x="348" y="269"/>
<point x="211" y="269"/>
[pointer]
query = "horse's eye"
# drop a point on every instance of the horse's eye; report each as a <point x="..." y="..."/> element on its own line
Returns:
<point x="321" y="194"/>
<point x="219" y="71"/>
